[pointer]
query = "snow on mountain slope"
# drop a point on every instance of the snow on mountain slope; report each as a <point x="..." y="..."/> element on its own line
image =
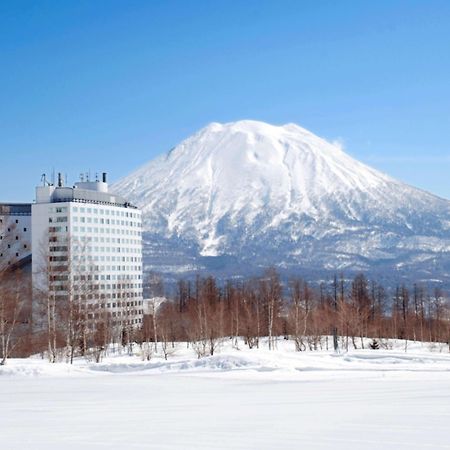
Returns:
<point x="250" y="192"/>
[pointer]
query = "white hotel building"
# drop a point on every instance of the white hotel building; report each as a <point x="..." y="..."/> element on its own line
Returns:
<point x="90" y="242"/>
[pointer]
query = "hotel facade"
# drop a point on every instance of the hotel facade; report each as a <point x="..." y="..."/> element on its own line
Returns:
<point x="85" y="247"/>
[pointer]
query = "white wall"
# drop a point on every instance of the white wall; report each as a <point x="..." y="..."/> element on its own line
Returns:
<point x="93" y="234"/>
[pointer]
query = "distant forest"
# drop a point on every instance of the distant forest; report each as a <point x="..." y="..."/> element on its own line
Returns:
<point x="202" y="313"/>
<point x="347" y="310"/>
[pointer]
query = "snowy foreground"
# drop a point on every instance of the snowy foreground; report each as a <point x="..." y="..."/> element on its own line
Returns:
<point x="238" y="399"/>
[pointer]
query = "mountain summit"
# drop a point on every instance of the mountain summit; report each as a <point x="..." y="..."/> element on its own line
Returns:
<point x="244" y="195"/>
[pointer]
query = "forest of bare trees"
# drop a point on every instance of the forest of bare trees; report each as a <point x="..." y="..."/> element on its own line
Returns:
<point x="69" y="308"/>
<point x="340" y="314"/>
<point x="335" y="315"/>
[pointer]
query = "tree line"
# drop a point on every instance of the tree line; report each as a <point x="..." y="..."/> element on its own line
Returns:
<point x="339" y="314"/>
<point x="335" y="315"/>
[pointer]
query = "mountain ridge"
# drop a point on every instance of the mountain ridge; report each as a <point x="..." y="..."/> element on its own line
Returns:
<point x="228" y="188"/>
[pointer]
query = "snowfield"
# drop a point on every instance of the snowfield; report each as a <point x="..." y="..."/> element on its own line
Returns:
<point x="237" y="399"/>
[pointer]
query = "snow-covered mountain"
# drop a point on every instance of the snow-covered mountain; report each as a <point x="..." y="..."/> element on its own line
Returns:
<point x="236" y="197"/>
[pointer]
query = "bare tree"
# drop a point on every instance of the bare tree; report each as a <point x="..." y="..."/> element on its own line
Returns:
<point x="270" y="291"/>
<point x="14" y="294"/>
<point x="298" y="314"/>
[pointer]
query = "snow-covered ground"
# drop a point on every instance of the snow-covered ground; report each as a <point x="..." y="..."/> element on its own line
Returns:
<point x="237" y="399"/>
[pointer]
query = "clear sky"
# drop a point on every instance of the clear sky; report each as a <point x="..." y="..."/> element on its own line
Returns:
<point x="108" y="85"/>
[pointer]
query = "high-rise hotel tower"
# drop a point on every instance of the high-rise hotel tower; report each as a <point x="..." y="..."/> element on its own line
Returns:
<point x="87" y="248"/>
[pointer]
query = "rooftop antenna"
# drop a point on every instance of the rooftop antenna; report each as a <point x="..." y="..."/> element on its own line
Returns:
<point x="53" y="176"/>
<point x="65" y="179"/>
<point x="81" y="177"/>
<point x="44" y="180"/>
<point x="96" y="177"/>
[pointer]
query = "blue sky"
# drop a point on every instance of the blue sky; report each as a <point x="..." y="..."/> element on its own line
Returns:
<point x="108" y="85"/>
